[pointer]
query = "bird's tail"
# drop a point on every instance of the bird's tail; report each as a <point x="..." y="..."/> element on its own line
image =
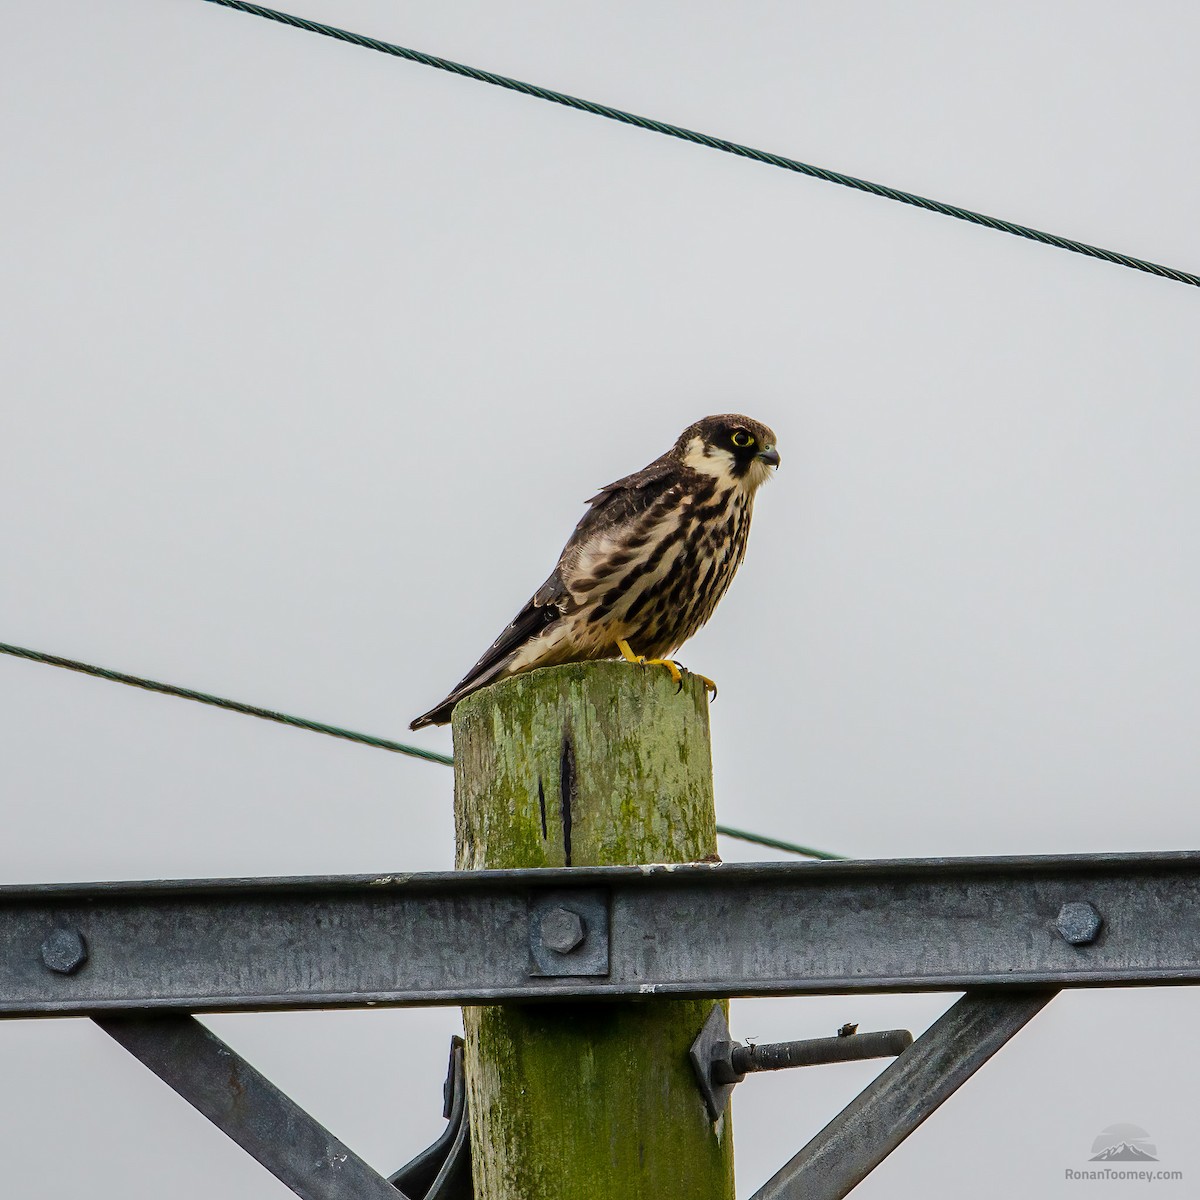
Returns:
<point x="436" y="716"/>
<point x="440" y="713"/>
<point x="503" y="654"/>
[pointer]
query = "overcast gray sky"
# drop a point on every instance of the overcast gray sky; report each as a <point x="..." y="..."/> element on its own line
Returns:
<point x="311" y="356"/>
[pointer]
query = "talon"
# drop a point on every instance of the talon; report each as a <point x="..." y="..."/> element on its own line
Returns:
<point x="709" y="686"/>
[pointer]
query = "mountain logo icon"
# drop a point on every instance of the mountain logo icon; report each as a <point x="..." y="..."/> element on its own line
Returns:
<point x="1123" y="1143"/>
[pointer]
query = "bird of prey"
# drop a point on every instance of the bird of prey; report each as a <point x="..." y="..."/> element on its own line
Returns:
<point x="645" y="566"/>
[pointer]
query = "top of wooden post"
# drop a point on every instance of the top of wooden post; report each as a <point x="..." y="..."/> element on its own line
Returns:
<point x="590" y="764"/>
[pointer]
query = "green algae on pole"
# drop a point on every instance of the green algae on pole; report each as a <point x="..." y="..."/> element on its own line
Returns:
<point x="592" y="764"/>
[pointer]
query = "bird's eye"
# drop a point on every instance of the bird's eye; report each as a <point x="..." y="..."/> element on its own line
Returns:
<point x="742" y="439"/>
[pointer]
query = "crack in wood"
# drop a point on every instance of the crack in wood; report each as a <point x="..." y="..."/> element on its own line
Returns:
<point x="568" y="789"/>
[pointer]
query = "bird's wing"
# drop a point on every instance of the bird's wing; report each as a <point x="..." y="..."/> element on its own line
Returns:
<point x="626" y="498"/>
<point x="608" y="508"/>
<point x="544" y="607"/>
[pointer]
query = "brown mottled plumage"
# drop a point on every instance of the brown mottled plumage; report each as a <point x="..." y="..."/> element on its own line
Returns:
<point x="648" y="562"/>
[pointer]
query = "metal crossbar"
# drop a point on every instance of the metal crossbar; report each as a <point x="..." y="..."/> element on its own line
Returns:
<point x="1013" y="929"/>
<point x="722" y="930"/>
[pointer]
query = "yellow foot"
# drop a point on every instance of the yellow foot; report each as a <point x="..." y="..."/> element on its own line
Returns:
<point x="676" y="673"/>
<point x="629" y="656"/>
<point x="676" y="669"/>
<point x="709" y="686"/>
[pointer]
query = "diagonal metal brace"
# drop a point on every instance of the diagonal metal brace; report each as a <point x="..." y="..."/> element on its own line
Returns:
<point x="249" y="1108"/>
<point x="931" y="1070"/>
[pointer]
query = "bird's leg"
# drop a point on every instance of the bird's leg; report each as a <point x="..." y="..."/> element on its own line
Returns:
<point x="628" y="655"/>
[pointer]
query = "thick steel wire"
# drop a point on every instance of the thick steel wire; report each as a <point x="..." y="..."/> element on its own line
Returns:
<point x="761" y="839"/>
<point x="249" y="710"/>
<point x="715" y="143"/>
<point x="349" y="735"/>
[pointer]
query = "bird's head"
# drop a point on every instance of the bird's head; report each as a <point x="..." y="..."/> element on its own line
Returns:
<point x="732" y="447"/>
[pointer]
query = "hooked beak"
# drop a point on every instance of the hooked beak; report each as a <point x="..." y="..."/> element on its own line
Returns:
<point x="770" y="456"/>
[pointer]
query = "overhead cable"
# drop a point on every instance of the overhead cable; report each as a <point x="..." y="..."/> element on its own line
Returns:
<point x="249" y="710"/>
<point x="713" y="143"/>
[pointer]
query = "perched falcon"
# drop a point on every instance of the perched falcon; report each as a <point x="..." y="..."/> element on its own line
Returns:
<point x="645" y="566"/>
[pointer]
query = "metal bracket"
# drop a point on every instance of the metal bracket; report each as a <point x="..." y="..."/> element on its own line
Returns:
<point x="568" y="932"/>
<point x="721" y="1063"/>
<point x="443" y="1172"/>
<point x="1020" y="928"/>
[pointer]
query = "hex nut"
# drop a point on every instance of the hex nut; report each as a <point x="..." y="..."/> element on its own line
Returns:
<point x="1078" y="923"/>
<point x="64" y="951"/>
<point x="568" y="932"/>
<point x="562" y="930"/>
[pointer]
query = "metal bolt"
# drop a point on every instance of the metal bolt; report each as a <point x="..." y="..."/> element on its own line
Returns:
<point x="65" y="951"/>
<point x="720" y="1062"/>
<point x="1078" y="923"/>
<point x="562" y="930"/>
<point x="568" y="932"/>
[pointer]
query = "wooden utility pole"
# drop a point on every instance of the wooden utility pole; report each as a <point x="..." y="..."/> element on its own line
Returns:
<point x="597" y="764"/>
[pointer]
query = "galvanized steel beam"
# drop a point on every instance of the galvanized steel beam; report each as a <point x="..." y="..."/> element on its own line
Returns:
<point x="481" y="937"/>
<point x="876" y="1121"/>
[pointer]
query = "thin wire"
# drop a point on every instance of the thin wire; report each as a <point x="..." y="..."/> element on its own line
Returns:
<point x="249" y="710"/>
<point x="760" y="839"/>
<point x="349" y="735"/>
<point x="714" y="143"/>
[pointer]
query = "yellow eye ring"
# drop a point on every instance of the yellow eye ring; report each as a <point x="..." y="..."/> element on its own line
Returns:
<point x="742" y="439"/>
